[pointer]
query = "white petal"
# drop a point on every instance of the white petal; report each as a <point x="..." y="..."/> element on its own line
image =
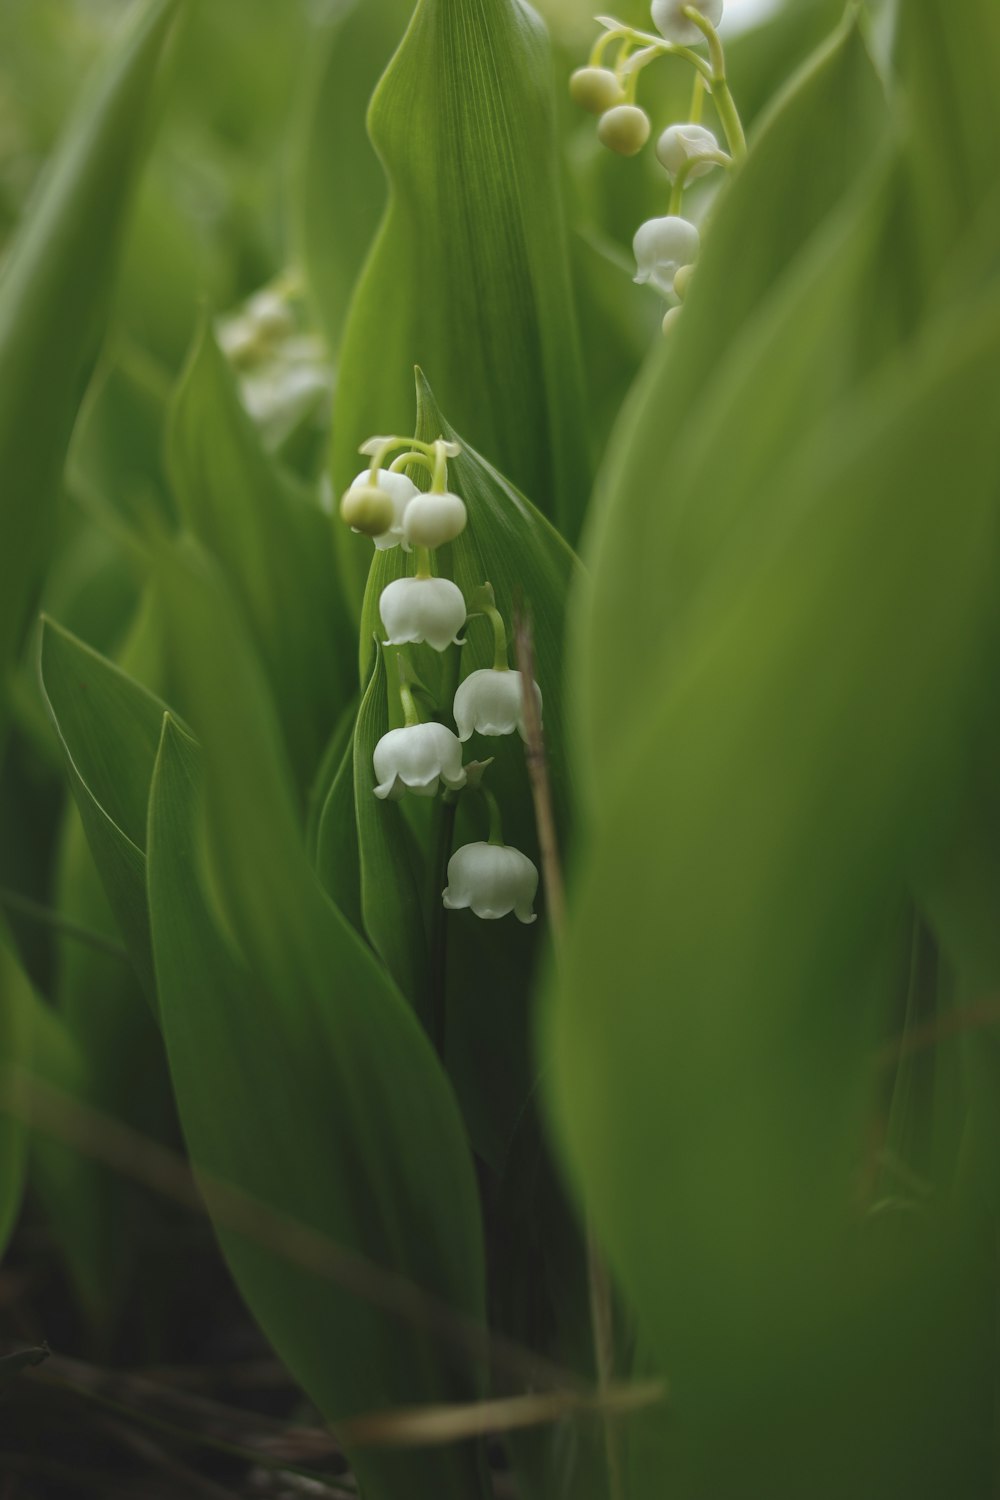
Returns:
<point x="671" y="23"/>
<point x="492" y="879"/>
<point x="422" y="609"/>
<point x="680" y="144"/>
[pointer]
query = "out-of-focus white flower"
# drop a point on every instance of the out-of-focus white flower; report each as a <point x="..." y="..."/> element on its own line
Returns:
<point x="671" y="22"/>
<point x="661" y="247"/>
<point x="400" y="492"/>
<point x="680" y="144"/>
<point x="432" y="519"/>
<point x="670" y="318"/>
<point x="624" y="129"/>
<point x="422" y="609"/>
<point x="596" y="89"/>
<point x="417" y="759"/>
<point x="492" y="879"/>
<point x="490" y="702"/>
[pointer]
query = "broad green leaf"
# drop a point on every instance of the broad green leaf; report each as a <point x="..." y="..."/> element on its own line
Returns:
<point x="108" y="727"/>
<point x="822" y="136"/>
<point x="489" y="965"/>
<point x="339" y="188"/>
<point x="391" y="898"/>
<point x="949" y="60"/>
<point x="54" y="297"/>
<point x="469" y="276"/>
<point x="273" y="542"/>
<point x="739" y="905"/>
<point x="116" y="460"/>
<point x="301" y="1074"/>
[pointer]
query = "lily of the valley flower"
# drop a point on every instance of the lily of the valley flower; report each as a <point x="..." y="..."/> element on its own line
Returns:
<point x="671" y="22"/>
<point x="416" y="759"/>
<point x="690" y="149"/>
<point x="422" y="609"/>
<point x="400" y="491"/>
<point x="661" y="247"/>
<point x="434" y="518"/>
<point x="491" y="702"/>
<point x="596" y="89"/>
<point x="492" y="879"/>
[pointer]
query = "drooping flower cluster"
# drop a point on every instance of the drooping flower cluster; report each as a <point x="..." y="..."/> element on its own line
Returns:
<point x="425" y="758"/>
<point x="666" y="248"/>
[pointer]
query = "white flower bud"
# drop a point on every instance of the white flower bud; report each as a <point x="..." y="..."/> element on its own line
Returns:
<point x="661" y="247"/>
<point x="671" y="22"/>
<point x="624" y="129"/>
<point x="417" y="758"/>
<point x="490" y="702"/>
<point x="595" y="89"/>
<point x="680" y="144"/>
<point x="422" y="609"/>
<point x="493" y="880"/>
<point x="399" y="490"/>
<point x="433" y="519"/>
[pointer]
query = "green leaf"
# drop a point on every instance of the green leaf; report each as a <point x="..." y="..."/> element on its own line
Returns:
<point x="53" y="302"/>
<point x="273" y="542"/>
<point x="109" y="728"/>
<point x="488" y="968"/>
<point x="948" y="62"/>
<point x="469" y="276"/>
<point x="15" y="1052"/>
<point x="339" y="188"/>
<point x="301" y="1074"/>
<point x="740" y="901"/>
<point x="832" y="120"/>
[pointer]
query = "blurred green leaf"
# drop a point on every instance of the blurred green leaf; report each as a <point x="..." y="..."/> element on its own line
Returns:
<point x="469" y="276"/>
<point x="823" y="136"/>
<point x="54" y="297"/>
<point x="274" y="544"/>
<point x="15" y="1052"/>
<point x="740" y="902"/>
<point x="949" y="62"/>
<point x="301" y="1074"/>
<point x="109" y="728"/>
<point x="339" y="188"/>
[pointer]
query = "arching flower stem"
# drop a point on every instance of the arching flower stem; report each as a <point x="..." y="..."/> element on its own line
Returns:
<point x="680" y="181"/>
<point x="718" y="83"/>
<point x="411" y="715"/>
<point x="496" y="821"/>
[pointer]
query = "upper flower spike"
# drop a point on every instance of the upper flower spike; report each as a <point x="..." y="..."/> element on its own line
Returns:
<point x="671" y="22"/>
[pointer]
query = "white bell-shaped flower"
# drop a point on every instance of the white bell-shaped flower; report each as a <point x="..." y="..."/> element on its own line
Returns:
<point x="681" y="144"/>
<point x="492" y="879"/>
<point x="416" y="759"/>
<point x="400" y="491"/>
<point x="422" y="609"/>
<point x="432" y="519"/>
<point x="671" y="22"/>
<point x="661" y="247"/>
<point x="491" y="702"/>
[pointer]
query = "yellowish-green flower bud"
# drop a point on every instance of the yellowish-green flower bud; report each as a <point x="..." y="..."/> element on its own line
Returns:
<point x="367" y="509"/>
<point x="624" y="129"/>
<point x="682" y="281"/>
<point x="670" y="318"/>
<point x="595" y="90"/>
